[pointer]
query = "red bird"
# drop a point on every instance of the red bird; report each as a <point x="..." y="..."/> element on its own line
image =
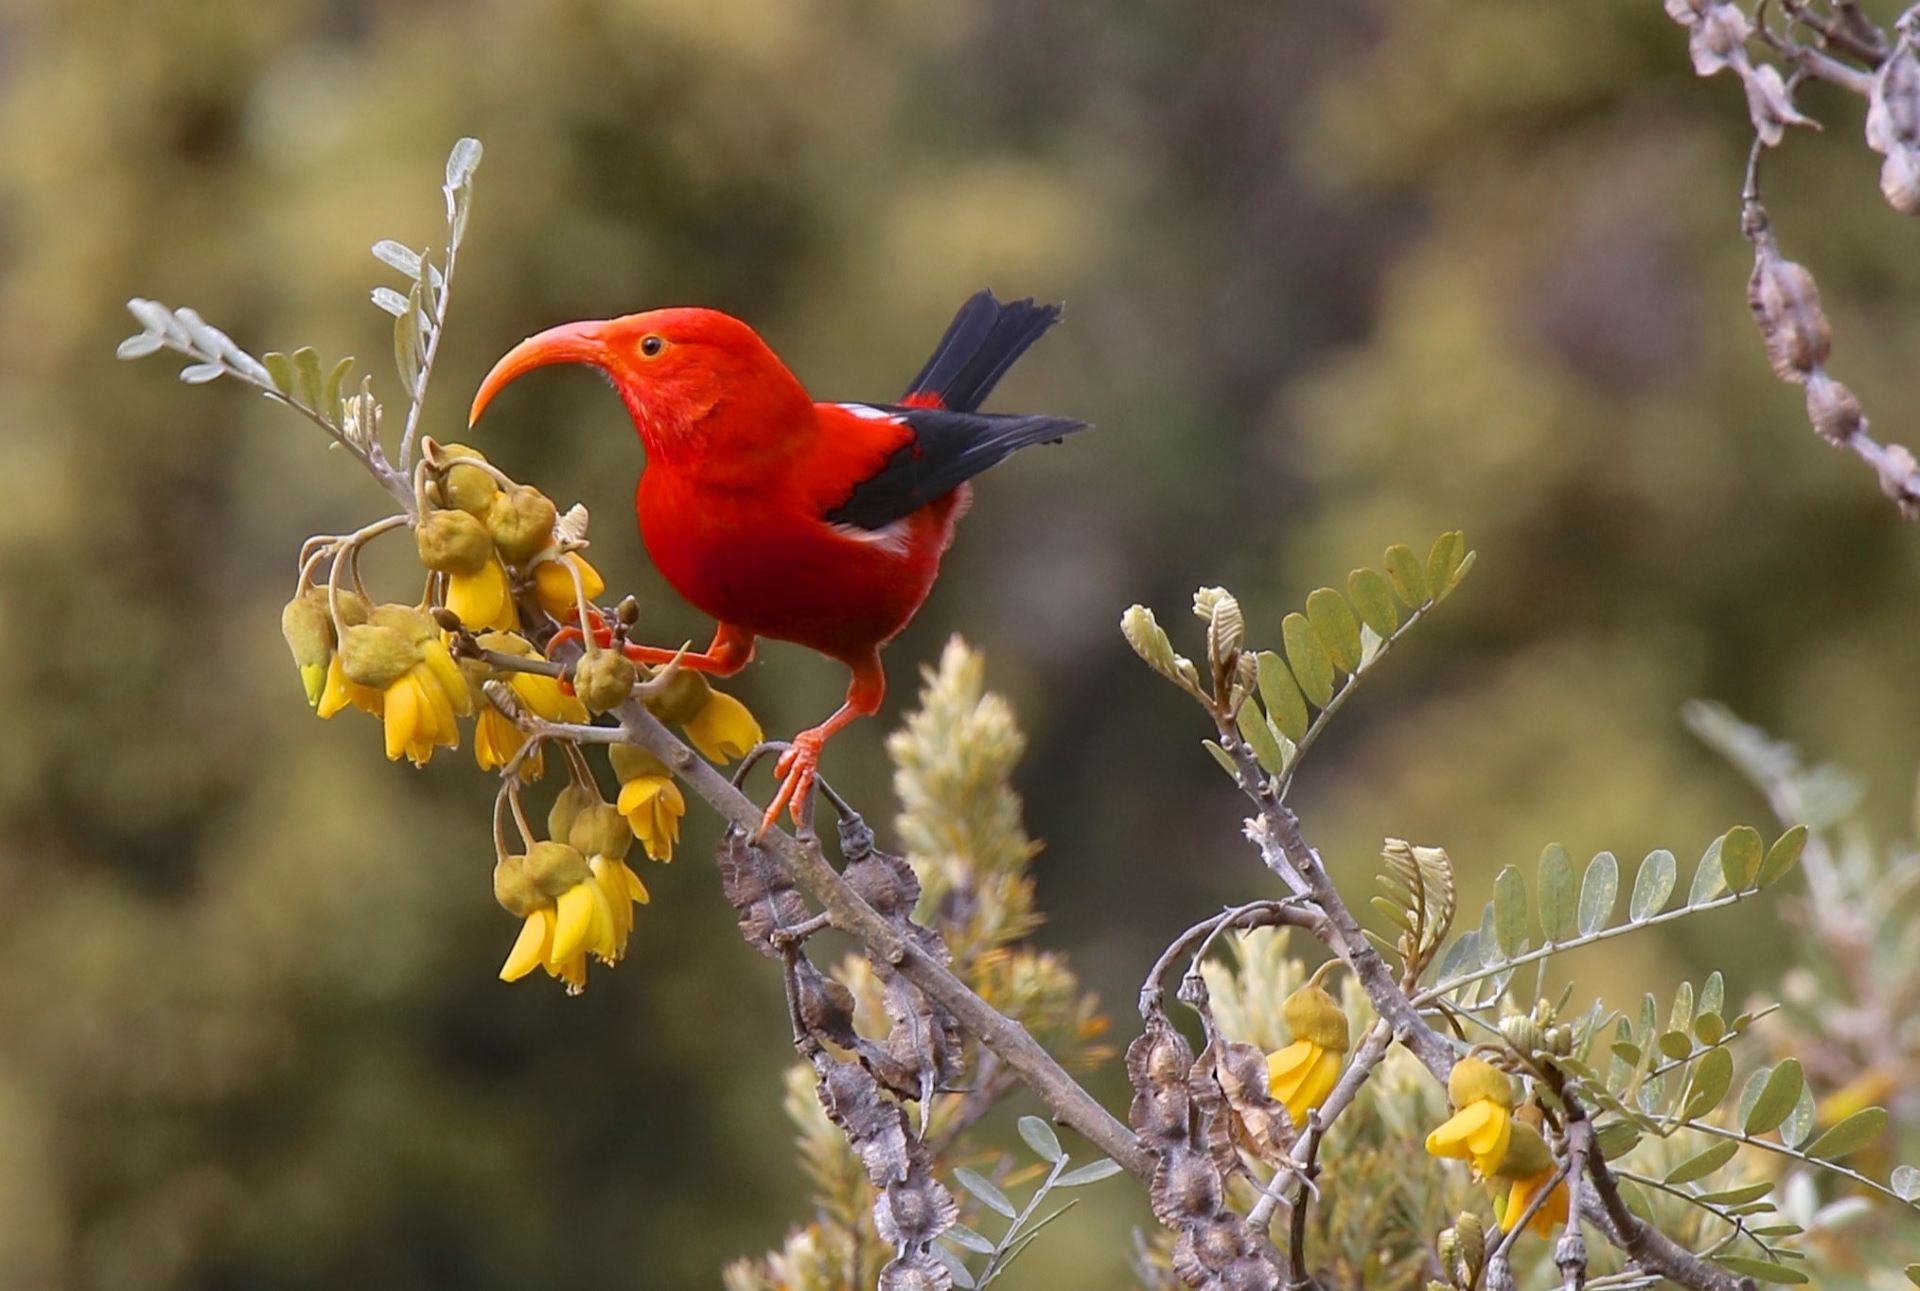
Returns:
<point x="817" y="523"/>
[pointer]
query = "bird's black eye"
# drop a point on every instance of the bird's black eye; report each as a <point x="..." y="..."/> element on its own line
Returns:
<point x="652" y="346"/>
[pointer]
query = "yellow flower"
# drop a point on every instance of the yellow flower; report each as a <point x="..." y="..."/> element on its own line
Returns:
<point x="1303" y="1074"/>
<point x="338" y="692"/>
<point x="649" y="799"/>
<point x="723" y="729"/>
<point x="496" y="739"/>
<point x="564" y="911"/>
<point x="553" y="585"/>
<point x="1482" y="1124"/>
<point x="420" y="706"/>
<point x="1528" y="1162"/>
<point x="482" y="599"/>
<point x="623" y="890"/>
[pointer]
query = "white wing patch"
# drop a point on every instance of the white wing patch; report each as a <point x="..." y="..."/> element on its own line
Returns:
<point x="869" y="413"/>
<point x="891" y="538"/>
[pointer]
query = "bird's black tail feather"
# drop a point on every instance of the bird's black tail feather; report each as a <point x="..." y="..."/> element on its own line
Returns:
<point x="981" y="343"/>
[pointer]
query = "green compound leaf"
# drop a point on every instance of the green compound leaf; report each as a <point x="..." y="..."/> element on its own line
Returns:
<point x="1409" y="579"/>
<point x="1702" y="1164"/>
<point x="1373" y="598"/>
<point x="1775" y="1099"/>
<point x="1307" y="656"/>
<point x="1559" y="913"/>
<point x="1599" y="893"/>
<point x="1338" y="629"/>
<point x="1710" y="879"/>
<point x="1712" y="1077"/>
<point x="1850" y="1135"/>
<point x="1741" y="853"/>
<point x="1761" y="1270"/>
<point x="1782" y="856"/>
<point x="1282" y="696"/>
<point x="1653" y="885"/>
<point x="1510" y="911"/>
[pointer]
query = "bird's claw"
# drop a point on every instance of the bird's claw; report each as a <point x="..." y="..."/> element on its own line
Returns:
<point x="797" y="770"/>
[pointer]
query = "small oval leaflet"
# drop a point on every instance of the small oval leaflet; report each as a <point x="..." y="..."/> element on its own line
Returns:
<point x="1653" y="885"/>
<point x="1776" y="1098"/>
<point x="1599" y="892"/>
<point x="1702" y="1164"/>
<point x="1041" y="1138"/>
<point x="1510" y="910"/>
<point x="1559" y="917"/>
<point x="1086" y="1174"/>
<point x="1850" y="1135"/>
<point x="990" y="1196"/>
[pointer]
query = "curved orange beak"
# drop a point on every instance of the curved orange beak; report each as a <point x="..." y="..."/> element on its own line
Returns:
<point x="568" y="343"/>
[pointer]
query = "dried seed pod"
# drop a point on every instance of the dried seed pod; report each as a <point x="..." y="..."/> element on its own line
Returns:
<point x="760" y="893"/>
<point x="1893" y="124"/>
<point x="825" y="1005"/>
<point x="1185" y="1187"/>
<point x="1786" y="307"/>
<point x="1833" y="409"/>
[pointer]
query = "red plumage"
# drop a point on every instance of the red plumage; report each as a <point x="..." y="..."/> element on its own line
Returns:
<point x="822" y="524"/>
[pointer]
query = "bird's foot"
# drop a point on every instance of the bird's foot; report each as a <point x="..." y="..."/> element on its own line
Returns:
<point x="797" y="769"/>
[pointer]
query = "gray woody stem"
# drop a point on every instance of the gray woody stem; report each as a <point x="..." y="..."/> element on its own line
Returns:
<point x="803" y="862"/>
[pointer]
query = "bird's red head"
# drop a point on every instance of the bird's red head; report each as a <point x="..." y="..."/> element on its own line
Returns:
<point x="671" y="367"/>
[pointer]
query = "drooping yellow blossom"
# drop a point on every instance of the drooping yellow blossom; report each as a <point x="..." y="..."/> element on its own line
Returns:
<point x="338" y="692"/>
<point x="601" y="835"/>
<point x="1528" y="1162"/>
<point x="482" y="599"/>
<point x="723" y="729"/>
<point x="564" y="912"/>
<point x="649" y="799"/>
<point x="1303" y="1074"/>
<point x="399" y="656"/>
<point x="1482" y="1123"/>
<point x="553" y="585"/>
<point x="496" y="739"/>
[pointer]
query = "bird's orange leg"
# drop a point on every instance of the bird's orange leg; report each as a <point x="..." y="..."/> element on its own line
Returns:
<point x="800" y="764"/>
<point x="731" y="650"/>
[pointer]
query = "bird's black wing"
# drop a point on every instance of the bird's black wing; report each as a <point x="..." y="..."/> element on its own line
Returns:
<point x="948" y="449"/>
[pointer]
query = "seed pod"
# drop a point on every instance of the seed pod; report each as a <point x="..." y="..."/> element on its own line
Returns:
<point x="600" y="830"/>
<point x="1314" y="1015"/>
<point x="603" y="680"/>
<point x="1893" y="125"/>
<point x="1786" y="308"/>
<point x="513" y="887"/>
<point x="1833" y="409"/>
<point x="682" y="699"/>
<point x="372" y="654"/>
<point x="453" y="542"/>
<point x="521" y="522"/>
<point x="566" y="809"/>
<point x="555" y="867"/>
<point x="309" y="634"/>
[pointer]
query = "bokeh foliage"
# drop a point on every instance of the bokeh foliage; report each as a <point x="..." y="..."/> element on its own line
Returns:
<point x="1337" y="274"/>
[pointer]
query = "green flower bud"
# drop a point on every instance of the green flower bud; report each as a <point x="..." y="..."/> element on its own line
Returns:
<point x="1314" y="1015"/>
<point x="309" y="633"/>
<point x="521" y="521"/>
<point x="372" y="654"/>
<point x="513" y="887"/>
<point x="630" y="762"/>
<point x="682" y="700"/>
<point x="453" y="542"/>
<point x="410" y="621"/>
<point x="601" y="830"/>
<point x="603" y="680"/>
<point x="555" y="867"/>
<point x="573" y="800"/>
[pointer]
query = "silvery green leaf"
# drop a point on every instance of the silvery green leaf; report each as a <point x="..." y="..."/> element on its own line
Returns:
<point x="1559" y="919"/>
<point x="1781" y="856"/>
<point x="336" y="382"/>
<point x="395" y="256"/>
<point x="390" y="300"/>
<point x="1709" y="880"/>
<point x="1682" y="1016"/>
<point x="1906" y="1183"/>
<point x="249" y="366"/>
<point x="205" y="339"/>
<point x="462" y="161"/>
<point x="307" y="381"/>
<point x="1510" y="910"/>
<point x="1653" y="885"/>
<point x="1713" y="993"/>
<point x="156" y="317"/>
<point x="1491" y="952"/>
<point x="200" y="373"/>
<point x="1712" y="1077"/>
<point x="989" y="1195"/>
<point x="1094" y="1173"/>
<point x="1041" y="1138"/>
<point x="279" y="371"/>
<point x="139" y="346"/>
<point x="1760" y="1269"/>
<point x="1462" y="954"/>
<point x="1799" y="1124"/>
<point x="1702" y="1164"/>
<point x="961" y="1235"/>
<point x="956" y="1268"/>
<point x="1599" y="891"/>
<point x="1741" y="853"/>
<point x="1616" y="1138"/>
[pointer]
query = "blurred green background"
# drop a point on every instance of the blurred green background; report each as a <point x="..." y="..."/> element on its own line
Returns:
<point x="1337" y="276"/>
